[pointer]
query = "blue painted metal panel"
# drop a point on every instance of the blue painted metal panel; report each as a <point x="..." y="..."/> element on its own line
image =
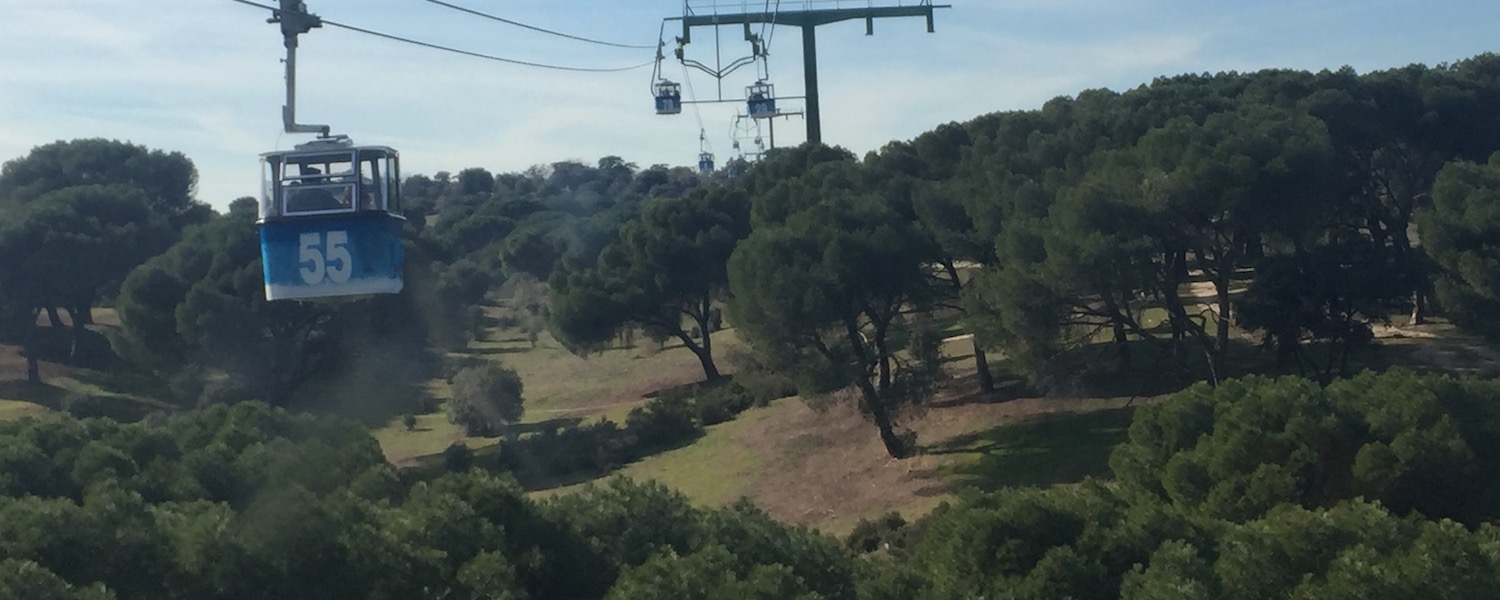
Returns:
<point x="343" y="255"/>
<point x="762" y="107"/>
<point x="668" y="105"/>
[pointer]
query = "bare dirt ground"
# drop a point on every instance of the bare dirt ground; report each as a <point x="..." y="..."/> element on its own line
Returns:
<point x="1438" y="346"/>
<point x="830" y="469"/>
<point x="13" y="366"/>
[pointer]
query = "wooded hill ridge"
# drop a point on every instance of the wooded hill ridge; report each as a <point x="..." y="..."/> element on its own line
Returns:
<point x="1213" y="228"/>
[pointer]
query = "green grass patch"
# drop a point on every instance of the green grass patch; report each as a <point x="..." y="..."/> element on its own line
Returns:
<point x="558" y="384"/>
<point x="1048" y="450"/>
<point x="65" y="393"/>
<point x="432" y="435"/>
<point x="715" y="470"/>
<point x="13" y="410"/>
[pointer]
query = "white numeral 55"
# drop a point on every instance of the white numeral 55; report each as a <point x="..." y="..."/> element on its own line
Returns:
<point x="318" y="258"/>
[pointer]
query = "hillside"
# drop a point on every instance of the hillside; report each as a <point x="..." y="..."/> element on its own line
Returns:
<point x="823" y="468"/>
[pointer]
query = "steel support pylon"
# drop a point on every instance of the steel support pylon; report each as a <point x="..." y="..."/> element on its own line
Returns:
<point x="808" y="21"/>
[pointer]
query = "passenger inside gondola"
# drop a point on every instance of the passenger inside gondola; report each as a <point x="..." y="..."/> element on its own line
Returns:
<point x="312" y="191"/>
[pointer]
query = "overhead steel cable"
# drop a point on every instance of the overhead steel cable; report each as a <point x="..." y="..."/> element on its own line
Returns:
<point x="512" y="61"/>
<point x="535" y="28"/>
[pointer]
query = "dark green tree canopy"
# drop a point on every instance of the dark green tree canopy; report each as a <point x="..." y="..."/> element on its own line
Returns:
<point x="820" y="295"/>
<point x="664" y="274"/>
<point x="68" y="246"/>
<point x="167" y="179"/>
<point x="1462" y="234"/>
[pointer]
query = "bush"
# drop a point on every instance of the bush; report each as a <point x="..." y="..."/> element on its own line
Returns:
<point x="458" y="457"/>
<point x="485" y="398"/>
<point x="722" y="403"/>
<point x="675" y="417"/>
<point x="886" y="533"/>
<point x="665" y="422"/>
<point x="88" y="406"/>
<point x="758" y="378"/>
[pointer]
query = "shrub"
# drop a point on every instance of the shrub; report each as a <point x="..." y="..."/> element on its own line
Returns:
<point x="884" y="533"/>
<point x="758" y="378"/>
<point x="722" y="403"/>
<point x="665" y="422"/>
<point x="88" y="406"/>
<point x="485" y="398"/>
<point x="458" y="457"/>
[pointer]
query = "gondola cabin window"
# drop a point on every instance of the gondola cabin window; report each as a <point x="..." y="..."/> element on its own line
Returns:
<point x="318" y="185"/>
<point x="331" y="184"/>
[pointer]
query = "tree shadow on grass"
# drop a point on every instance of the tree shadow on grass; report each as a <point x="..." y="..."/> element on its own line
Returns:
<point x="82" y="405"/>
<point x="42" y="394"/>
<point x="1049" y="450"/>
<point x="553" y="425"/>
<point x="497" y="350"/>
<point x="1007" y="388"/>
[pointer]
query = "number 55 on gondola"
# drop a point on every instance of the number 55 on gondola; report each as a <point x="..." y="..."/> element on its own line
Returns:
<point x="330" y="221"/>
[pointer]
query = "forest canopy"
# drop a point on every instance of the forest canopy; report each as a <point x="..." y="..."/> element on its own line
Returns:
<point x="1225" y="243"/>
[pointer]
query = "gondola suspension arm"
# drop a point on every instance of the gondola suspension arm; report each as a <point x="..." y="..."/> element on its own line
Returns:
<point x="295" y="20"/>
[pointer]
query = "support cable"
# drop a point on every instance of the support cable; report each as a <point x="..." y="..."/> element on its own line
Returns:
<point x="703" y="145"/>
<point x="775" y="13"/>
<point x="661" y="43"/>
<point x="458" y="51"/>
<point x="688" y="81"/>
<point x="535" y="28"/>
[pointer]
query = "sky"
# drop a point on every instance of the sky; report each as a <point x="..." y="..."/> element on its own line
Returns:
<point x="204" y="77"/>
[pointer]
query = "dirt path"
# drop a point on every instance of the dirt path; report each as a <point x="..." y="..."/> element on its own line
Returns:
<point x="1439" y="347"/>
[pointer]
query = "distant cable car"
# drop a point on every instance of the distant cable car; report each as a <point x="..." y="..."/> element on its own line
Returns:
<point x="760" y="99"/>
<point x="330" y="220"/>
<point x="705" y="162"/>
<point x="668" y="97"/>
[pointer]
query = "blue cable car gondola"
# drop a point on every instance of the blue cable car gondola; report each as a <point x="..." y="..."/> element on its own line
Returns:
<point x="760" y="100"/>
<point x="330" y="220"/>
<point x="705" y="162"/>
<point x="668" y="97"/>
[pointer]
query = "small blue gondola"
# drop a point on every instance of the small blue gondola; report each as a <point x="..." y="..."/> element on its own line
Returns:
<point x="760" y="100"/>
<point x="668" y="97"/>
<point x="705" y="162"/>
<point x="330" y="220"/>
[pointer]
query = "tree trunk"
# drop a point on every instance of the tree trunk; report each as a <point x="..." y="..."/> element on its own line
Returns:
<point x="982" y="364"/>
<point x="706" y="359"/>
<point x="1418" y="308"/>
<point x="79" y="321"/>
<point x="704" y="352"/>
<point x="1221" y="341"/>
<point x="1122" y="347"/>
<point x="53" y="318"/>
<point x="33" y="366"/>
<point x="82" y="315"/>
<point x="893" y="443"/>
